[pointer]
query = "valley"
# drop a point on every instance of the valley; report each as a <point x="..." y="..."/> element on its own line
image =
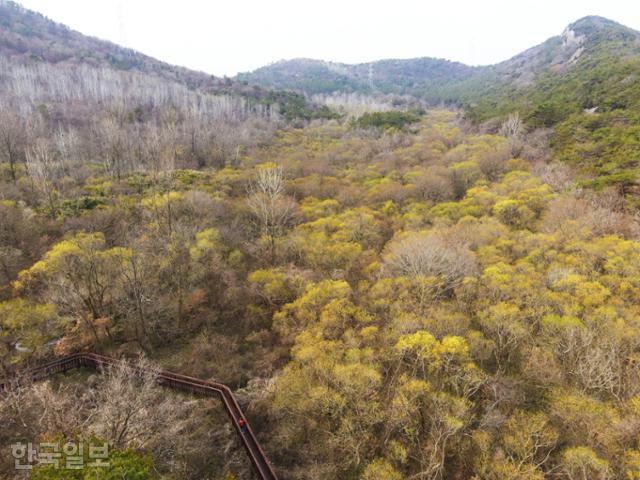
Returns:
<point x="411" y="269"/>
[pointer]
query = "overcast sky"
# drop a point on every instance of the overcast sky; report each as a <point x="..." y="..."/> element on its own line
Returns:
<point x="226" y="37"/>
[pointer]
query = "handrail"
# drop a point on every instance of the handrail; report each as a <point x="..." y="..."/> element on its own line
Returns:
<point x="171" y="380"/>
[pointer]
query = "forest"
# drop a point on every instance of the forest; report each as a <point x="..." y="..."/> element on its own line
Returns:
<point x="395" y="289"/>
<point x="425" y="302"/>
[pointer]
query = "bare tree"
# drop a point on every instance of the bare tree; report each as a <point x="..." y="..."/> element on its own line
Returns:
<point x="270" y="205"/>
<point x="513" y="129"/>
<point x="426" y="255"/>
<point x="125" y="407"/>
<point x="67" y="144"/>
<point x="134" y="275"/>
<point x="114" y="139"/>
<point x="42" y="167"/>
<point x="131" y="410"/>
<point x="559" y="176"/>
<point x="512" y="126"/>
<point x="11" y="140"/>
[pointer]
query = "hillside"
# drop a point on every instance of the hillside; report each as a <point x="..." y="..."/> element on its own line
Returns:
<point x="584" y="83"/>
<point x="580" y="69"/>
<point x="31" y="40"/>
<point x="420" y="76"/>
<point x="30" y="36"/>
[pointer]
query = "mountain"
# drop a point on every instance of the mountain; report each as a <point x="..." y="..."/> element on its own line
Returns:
<point x="583" y="83"/>
<point x="29" y="39"/>
<point x="587" y="39"/>
<point x="416" y="76"/>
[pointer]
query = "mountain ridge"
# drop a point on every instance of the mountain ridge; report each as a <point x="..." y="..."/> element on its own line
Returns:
<point x="275" y="74"/>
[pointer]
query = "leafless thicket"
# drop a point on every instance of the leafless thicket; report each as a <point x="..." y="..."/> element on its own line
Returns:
<point x="39" y="83"/>
<point x="123" y="406"/>
<point x="353" y="104"/>
<point x="121" y="121"/>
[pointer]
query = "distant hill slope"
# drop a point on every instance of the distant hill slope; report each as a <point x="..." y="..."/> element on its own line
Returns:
<point x="28" y="35"/>
<point x="418" y="76"/>
<point x="552" y="64"/>
<point x="28" y="38"/>
<point x="434" y="77"/>
<point x="91" y="104"/>
<point x="584" y="83"/>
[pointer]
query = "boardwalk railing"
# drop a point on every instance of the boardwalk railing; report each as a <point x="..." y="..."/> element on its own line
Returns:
<point x="174" y="381"/>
